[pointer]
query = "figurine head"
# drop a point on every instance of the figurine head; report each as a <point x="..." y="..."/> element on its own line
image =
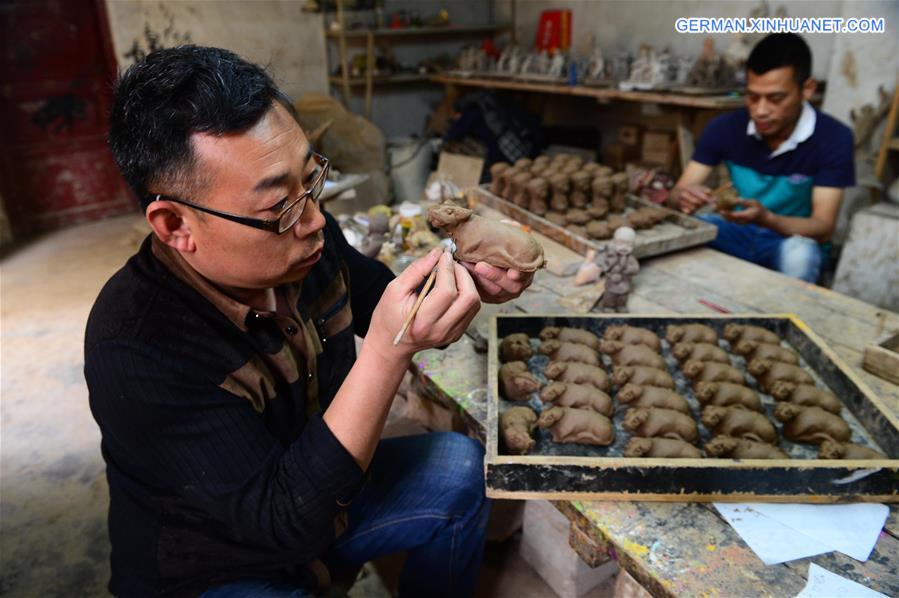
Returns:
<point x="721" y="446"/>
<point x="623" y="240"/>
<point x="682" y="351"/>
<point x="831" y="449"/>
<point x="786" y="411"/>
<point x="497" y="169"/>
<point x="758" y="367"/>
<point x="706" y="391"/>
<point x="629" y="393"/>
<point x="550" y="332"/>
<point x="693" y="368"/>
<point x="539" y="188"/>
<point x="745" y="347"/>
<point x="552" y="391"/>
<point x="448" y="215"/>
<point x="555" y="369"/>
<point x="733" y="331"/>
<point x="621" y="374"/>
<point x="549" y="347"/>
<point x="782" y="390"/>
<point x="711" y="415"/>
<point x="550" y="416"/>
<point x="634" y="418"/>
<point x="609" y="347"/>
<point x="638" y="447"/>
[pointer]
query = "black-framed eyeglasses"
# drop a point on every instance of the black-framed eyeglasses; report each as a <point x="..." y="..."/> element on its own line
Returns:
<point x="288" y="217"/>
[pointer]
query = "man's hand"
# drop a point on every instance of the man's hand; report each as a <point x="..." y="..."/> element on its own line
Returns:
<point x="753" y="212"/>
<point x="496" y="285"/>
<point x="692" y="197"/>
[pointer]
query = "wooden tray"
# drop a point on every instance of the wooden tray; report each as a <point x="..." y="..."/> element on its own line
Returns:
<point x="882" y="358"/>
<point x="682" y="232"/>
<point x="581" y="472"/>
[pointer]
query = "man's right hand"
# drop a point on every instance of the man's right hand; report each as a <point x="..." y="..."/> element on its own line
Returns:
<point x="692" y="197"/>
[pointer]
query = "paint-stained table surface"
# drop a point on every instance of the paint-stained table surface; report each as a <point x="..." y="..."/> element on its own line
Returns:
<point x="686" y="549"/>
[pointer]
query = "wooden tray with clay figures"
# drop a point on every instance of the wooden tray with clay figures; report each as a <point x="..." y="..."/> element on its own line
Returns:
<point x="677" y="232"/>
<point x="846" y="451"/>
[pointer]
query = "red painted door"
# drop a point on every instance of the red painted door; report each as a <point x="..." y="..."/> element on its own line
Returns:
<point x="56" y="73"/>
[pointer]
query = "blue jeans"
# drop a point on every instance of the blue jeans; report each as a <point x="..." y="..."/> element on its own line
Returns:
<point x="799" y="257"/>
<point x="426" y="496"/>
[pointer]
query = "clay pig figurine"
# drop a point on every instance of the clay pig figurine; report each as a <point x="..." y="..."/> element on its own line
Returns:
<point x="517" y="424"/>
<point x="811" y="424"/>
<point x="622" y="354"/>
<point x="666" y="423"/>
<point x="580" y="396"/>
<point x="583" y="426"/>
<point x="652" y="396"/>
<point x="831" y="449"/>
<point x="741" y="448"/>
<point x="808" y="395"/>
<point x="577" y="373"/>
<point x="516" y="382"/>
<point x="571" y="335"/>
<point x="664" y="448"/>
<point x="515" y="347"/>
<point x="483" y="240"/>
<point x="741" y="423"/>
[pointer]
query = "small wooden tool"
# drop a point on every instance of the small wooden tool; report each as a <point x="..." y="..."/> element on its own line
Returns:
<point x="411" y="316"/>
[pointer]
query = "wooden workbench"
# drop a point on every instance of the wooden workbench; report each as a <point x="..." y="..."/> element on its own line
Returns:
<point x="686" y="549"/>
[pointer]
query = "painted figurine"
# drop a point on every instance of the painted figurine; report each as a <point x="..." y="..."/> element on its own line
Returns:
<point x="618" y="265"/>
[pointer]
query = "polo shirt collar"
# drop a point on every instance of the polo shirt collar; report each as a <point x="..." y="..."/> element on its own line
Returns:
<point x="802" y="131"/>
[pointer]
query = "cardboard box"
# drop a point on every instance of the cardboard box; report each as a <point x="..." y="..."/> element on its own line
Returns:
<point x="658" y="148"/>
<point x="629" y="134"/>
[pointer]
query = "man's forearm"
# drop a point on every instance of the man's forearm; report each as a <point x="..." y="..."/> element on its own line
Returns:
<point x="805" y="227"/>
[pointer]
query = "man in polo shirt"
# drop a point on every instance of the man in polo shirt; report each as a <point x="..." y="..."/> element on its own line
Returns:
<point x="788" y="162"/>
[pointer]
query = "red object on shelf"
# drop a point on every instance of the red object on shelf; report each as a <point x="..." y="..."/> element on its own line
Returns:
<point x="553" y="31"/>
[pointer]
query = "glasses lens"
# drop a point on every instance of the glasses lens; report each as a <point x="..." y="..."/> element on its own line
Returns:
<point x="292" y="215"/>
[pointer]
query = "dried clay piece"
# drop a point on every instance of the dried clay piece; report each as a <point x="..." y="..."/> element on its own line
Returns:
<point x="831" y="449"/>
<point x="556" y="218"/>
<point x="632" y="335"/>
<point x="581" y="396"/>
<point x="496" y="172"/>
<point x="665" y="423"/>
<point x="663" y="448"/>
<point x="484" y="240"/>
<point x="767" y="372"/>
<point x="711" y="371"/>
<point x="517" y="424"/>
<point x="740" y="448"/>
<point x="577" y="216"/>
<point x="516" y="382"/>
<point x="622" y="354"/>
<point x="563" y="351"/>
<point x="811" y="424"/>
<point x="582" y="426"/>
<point x="726" y="394"/>
<point x="807" y="395"/>
<point x="515" y="347"/>
<point x="652" y="396"/>
<point x="538" y="194"/>
<point x="642" y="376"/>
<point x="571" y="335"/>
<point x="740" y="332"/>
<point x="699" y="352"/>
<point x="756" y="350"/>
<point x="577" y="373"/>
<point x="690" y="333"/>
<point x="740" y="423"/>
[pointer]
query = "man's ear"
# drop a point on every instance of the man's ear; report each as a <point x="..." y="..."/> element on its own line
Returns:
<point x="167" y="221"/>
<point x="809" y="88"/>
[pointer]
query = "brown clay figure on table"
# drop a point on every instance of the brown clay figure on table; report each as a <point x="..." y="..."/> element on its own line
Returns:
<point x="711" y="371"/>
<point x="577" y="373"/>
<point x="633" y="335"/>
<point x="572" y="335"/>
<point x="690" y="333"/>
<point x="656" y="422"/>
<point x="633" y="395"/>
<point x="515" y="347"/>
<point x="768" y="372"/>
<point x="699" y="351"/>
<point x="806" y="394"/>
<point x="581" y="396"/>
<point x="727" y="394"/>
<point x="739" y="422"/>
<point x="538" y="196"/>
<point x="642" y="375"/>
<point x="664" y="448"/>
<point x="759" y="350"/>
<point x="624" y="354"/>
<point x="496" y="173"/>
<point x="618" y="264"/>
<point x="517" y="427"/>
<point x="811" y="424"/>
<point x="741" y="448"/>
<point x="831" y="449"/>
<point x="569" y="352"/>
<point x="516" y="383"/>
<point x="581" y="426"/>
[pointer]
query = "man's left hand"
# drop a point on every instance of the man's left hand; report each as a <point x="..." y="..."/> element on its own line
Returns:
<point x="753" y="212"/>
<point x="496" y="285"/>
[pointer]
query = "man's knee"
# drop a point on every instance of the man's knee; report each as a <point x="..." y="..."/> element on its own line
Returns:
<point x="800" y="257"/>
<point x="462" y="463"/>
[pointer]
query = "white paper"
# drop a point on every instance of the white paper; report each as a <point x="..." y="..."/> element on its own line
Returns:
<point x="824" y="584"/>
<point x="769" y="539"/>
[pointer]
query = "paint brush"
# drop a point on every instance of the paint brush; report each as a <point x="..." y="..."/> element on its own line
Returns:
<point x="411" y="316"/>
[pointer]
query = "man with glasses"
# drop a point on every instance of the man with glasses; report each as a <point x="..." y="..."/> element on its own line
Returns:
<point x="239" y="427"/>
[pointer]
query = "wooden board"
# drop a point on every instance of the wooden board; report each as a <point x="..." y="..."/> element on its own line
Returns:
<point x="882" y="358"/>
<point x="574" y="472"/>
<point x="681" y="233"/>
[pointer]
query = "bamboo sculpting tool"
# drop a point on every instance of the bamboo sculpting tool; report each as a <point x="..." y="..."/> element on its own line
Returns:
<point x="421" y="297"/>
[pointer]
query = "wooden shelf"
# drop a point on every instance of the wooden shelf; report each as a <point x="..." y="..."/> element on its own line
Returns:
<point x="381" y="79"/>
<point x="417" y="31"/>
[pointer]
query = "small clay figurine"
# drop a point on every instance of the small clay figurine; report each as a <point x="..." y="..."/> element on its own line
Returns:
<point x="520" y="189"/>
<point x="598" y="211"/>
<point x="538" y="194"/>
<point x="578" y="373"/>
<point x="601" y="188"/>
<point x="496" y="172"/>
<point x="711" y="371"/>
<point x="741" y="423"/>
<point x="811" y="424"/>
<point x="831" y="449"/>
<point x="690" y="333"/>
<point x="516" y="382"/>
<point x="767" y="372"/>
<point x="577" y="216"/>
<point x="633" y="335"/>
<point x="642" y="376"/>
<point x="517" y="426"/>
<point x="807" y="395"/>
<point x="726" y="394"/>
<point x="561" y="186"/>
<point x="618" y="264"/>
<point x="662" y="448"/>
<point x="582" y="426"/>
<point x="665" y="423"/>
<point x="505" y="178"/>
<point x="515" y="347"/>
<point x="741" y="448"/>
<point x="571" y="335"/>
<point x="742" y="332"/>
<point x="581" y="396"/>
<point x="599" y="229"/>
<point x="556" y="218"/>
<point x="569" y="352"/>
<point x="757" y="350"/>
<point x="651" y="396"/>
<point x="699" y="352"/>
<point x="485" y="240"/>
<point x="622" y="354"/>
<point x="580" y="192"/>
<point x="619" y="194"/>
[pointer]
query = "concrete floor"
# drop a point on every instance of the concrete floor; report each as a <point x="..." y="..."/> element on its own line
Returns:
<point x="53" y="492"/>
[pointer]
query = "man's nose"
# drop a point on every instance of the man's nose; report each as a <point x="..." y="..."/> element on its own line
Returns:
<point x="311" y="221"/>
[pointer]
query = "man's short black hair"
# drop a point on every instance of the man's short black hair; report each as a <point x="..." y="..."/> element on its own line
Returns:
<point x="780" y="50"/>
<point x="175" y="92"/>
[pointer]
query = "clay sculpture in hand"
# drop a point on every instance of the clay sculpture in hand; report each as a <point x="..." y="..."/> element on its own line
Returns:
<point x="831" y="449"/>
<point x="767" y="372"/>
<point x="580" y="189"/>
<point x="662" y="448"/>
<point x="699" y="352"/>
<point x="516" y="382"/>
<point x="563" y="351"/>
<point x="741" y="448"/>
<point x="583" y="426"/>
<point x="520" y="189"/>
<point x="517" y="426"/>
<point x="726" y="394"/>
<point x="690" y="333"/>
<point x="742" y="332"/>
<point x="652" y="396"/>
<point x="496" y="172"/>
<point x="561" y="186"/>
<point x="538" y="196"/>
<point x="505" y="179"/>
<point x="577" y="373"/>
<point x="811" y="424"/>
<point x="515" y="347"/>
<point x="642" y="376"/>
<point x="808" y="395"/>
<point x="711" y="371"/>
<point x="484" y="240"/>
<point x="633" y="335"/>
<point x="756" y="350"/>
<point x="622" y="354"/>
<point x="740" y="423"/>
<point x="580" y="396"/>
<point x="665" y="423"/>
<point x="571" y="335"/>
